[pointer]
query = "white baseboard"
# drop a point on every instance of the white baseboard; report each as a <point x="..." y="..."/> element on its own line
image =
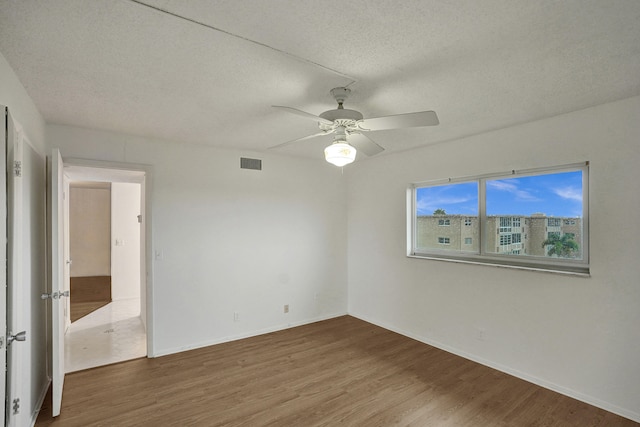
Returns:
<point x="632" y="415"/>
<point x="168" y="351"/>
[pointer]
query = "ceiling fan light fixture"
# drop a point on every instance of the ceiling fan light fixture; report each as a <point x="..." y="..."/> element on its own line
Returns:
<point x="340" y="153"/>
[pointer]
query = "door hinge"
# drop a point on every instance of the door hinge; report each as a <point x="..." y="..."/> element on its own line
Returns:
<point x="57" y="295"/>
<point x="17" y="168"/>
<point x="1" y="341"/>
<point x="16" y="406"/>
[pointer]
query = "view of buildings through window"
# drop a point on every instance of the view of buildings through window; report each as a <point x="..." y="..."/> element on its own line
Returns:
<point x="537" y="215"/>
<point x="535" y="235"/>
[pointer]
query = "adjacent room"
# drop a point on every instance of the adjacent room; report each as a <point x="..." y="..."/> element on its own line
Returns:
<point x="104" y="324"/>
<point x="334" y="213"/>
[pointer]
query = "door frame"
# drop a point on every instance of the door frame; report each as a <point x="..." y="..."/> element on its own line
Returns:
<point x="3" y="265"/>
<point x="98" y="170"/>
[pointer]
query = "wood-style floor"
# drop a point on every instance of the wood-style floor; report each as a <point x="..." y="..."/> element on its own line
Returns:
<point x="88" y="294"/>
<point x="80" y="309"/>
<point x="341" y="371"/>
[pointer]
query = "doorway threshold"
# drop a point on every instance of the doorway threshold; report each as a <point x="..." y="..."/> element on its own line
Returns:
<point x="111" y="334"/>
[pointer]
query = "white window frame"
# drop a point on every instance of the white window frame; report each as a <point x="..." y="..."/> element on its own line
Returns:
<point x="484" y="256"/>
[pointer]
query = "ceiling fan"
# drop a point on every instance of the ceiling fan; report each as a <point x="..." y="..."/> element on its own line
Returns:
<point x="350" y="126"/>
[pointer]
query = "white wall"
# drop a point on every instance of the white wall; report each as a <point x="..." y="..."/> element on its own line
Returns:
<point x="580" y="336"/>
<point x="24" y="112"/>
<point x="125" y="240"/>
<point x="90" y="229"/>
<point x="231" y="240"/>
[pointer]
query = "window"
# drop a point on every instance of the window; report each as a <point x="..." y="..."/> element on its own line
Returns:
<point x="527" y="219"/>
<point x="505" y="225"/>
<point x="554" y="222"/>
<point x="431" y="217"/>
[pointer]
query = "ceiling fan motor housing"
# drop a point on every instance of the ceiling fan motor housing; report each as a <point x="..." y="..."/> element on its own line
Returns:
<point x="341" y="116"/>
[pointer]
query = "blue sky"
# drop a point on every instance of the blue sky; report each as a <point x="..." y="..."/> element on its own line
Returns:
<point x="557" y="194"/>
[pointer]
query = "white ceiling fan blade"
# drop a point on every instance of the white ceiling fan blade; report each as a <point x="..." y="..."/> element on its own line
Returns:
<point x="364" y="144"/>
<point x="284" y="144"/>
<point x="304" y="114"/>
<point x="399" y="121"/>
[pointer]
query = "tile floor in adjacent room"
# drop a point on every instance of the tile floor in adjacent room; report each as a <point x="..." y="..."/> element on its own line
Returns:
<point x="111" y="334"/>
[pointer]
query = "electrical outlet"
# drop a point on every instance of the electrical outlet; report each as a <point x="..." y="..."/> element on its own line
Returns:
<point x="236" y="316"/>
<point x="480" y="332"/>
<point x="286" y="308"/>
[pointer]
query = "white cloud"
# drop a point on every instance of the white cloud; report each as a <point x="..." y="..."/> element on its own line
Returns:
<point x="569" y="193"/>
<point x="502" y="186"/>
<point x="521" y="195"/>
<point x="430" y="204"/>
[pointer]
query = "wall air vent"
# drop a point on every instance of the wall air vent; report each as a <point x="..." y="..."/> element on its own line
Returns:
<point x="255" y="164"/>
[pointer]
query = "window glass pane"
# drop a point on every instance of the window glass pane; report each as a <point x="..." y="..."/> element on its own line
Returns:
<point x="447" y="217"/>
<point x="537" y="215"/>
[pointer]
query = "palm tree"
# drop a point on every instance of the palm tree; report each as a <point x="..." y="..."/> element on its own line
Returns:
<point x="562" y="246"/>
<point x="439" y="212"/>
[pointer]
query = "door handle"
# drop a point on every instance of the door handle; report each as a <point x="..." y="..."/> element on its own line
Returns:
<point x="45" y="296"/>
<point x="20" y="336"/>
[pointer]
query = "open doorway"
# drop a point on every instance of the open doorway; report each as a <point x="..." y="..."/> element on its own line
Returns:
<point x="105" y="314"/>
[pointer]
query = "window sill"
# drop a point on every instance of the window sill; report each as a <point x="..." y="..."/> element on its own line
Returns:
<point x="580" y="271"/>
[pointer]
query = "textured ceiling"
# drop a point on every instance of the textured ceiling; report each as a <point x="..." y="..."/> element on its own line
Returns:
<point x="207" y="72"/>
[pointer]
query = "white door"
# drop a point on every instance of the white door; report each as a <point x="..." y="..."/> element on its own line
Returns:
<point x="16" y="331"/>
<point x="24" y="276"/>
<point x="58" y="266"/>
<point x="3" y="267"/>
